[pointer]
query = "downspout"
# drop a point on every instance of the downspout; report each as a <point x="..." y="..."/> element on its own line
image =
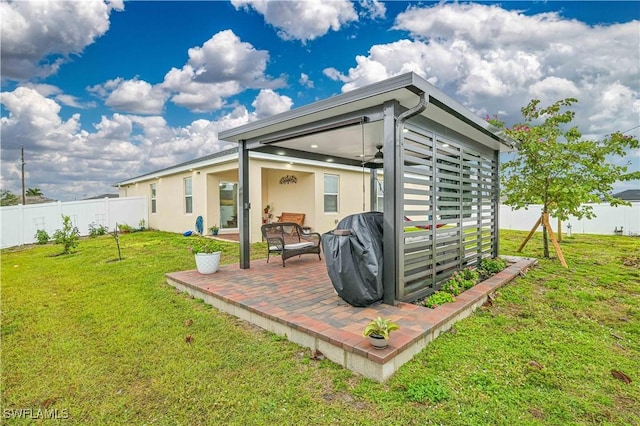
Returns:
<point x="398" y="169"/>
<point x="421" y="106"/>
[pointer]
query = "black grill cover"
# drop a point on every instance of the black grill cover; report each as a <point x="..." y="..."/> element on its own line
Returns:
<point x="354" y="262"/>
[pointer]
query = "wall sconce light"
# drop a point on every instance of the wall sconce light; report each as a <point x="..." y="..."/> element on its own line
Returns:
<point x="286" y="180"/>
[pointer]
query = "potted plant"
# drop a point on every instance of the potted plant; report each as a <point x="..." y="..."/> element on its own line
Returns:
<point x="378" y="331"/>
<point x="214" y="229"/>
<point x="207" y="256"/>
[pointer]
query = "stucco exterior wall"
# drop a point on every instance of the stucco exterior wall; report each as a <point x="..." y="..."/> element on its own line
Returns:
<point x="305" y="196"/>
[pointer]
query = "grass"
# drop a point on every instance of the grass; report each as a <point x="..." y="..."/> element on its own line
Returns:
<point x="107" y="342"/>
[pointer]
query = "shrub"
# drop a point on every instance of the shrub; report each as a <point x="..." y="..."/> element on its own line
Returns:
<point x="68" y="236"/>
<point x="124" y="228"/>
<point x="42" y="237"/>
<point x="96" y="230"/>
<point x="492" y="266"/>
<point x="451" y="286"/>
<point x="438" y="298"/>
<point x="461" y="281"/>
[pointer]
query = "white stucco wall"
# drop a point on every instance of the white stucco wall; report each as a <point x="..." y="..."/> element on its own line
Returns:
<point x="306" y="196"/>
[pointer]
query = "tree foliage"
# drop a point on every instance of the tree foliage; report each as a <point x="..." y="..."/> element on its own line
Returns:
<point x="8" y="198"/>
<point x="554" y="166"/>
<point x="33" y="192"/>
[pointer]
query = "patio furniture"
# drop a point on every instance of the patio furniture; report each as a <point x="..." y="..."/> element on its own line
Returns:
<point x="288" y="239"/>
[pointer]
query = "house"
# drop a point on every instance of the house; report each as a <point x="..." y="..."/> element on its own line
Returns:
<point x="208" y="187"/>
<point x="629" y="195"/>
<point x="399" y="146"/>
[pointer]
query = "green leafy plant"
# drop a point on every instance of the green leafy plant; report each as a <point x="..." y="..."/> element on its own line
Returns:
<point x="142" y="225"/>
<point x="380" y="327"/>
<point x="42" y="237"/>
<point x="451" y="286"/>
<point x="492" y="266"/>
<point x="96" y="230"/>
<point x="204" y="245"/>
<point x="439" y="298"/>
<point x="214" y="229"/>
<point x="68" y="236"/>
<point x="461" y="281"/>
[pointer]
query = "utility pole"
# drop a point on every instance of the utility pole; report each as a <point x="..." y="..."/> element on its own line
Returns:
<point x="24" y="199"/>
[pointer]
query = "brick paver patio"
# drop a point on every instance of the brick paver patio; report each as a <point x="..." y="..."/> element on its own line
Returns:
<point x="299" y="301"/>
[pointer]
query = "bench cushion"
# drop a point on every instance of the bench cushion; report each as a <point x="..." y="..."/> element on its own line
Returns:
<point x="296" y="246"/>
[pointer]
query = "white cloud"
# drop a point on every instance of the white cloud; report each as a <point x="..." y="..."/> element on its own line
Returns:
<point x="67" y="162"/>
<point x="38" y="36"/>
<point x="373" y="9"/>
<point x="497" y="60"/>
<point x="305" y="81"/>
<point x="302" y="20"/>
<point x="136" y="96"/>
<point x="222" y="67"/>
<point x="269" y="103"/>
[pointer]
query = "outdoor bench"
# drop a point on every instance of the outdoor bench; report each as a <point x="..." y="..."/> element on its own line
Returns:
<point x="288" y="240"/>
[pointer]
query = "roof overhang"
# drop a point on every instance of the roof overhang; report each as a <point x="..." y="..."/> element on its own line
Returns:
<point x="351" y="141"/>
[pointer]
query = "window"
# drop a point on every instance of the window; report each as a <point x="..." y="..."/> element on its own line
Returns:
<point x="153" y="197"/>
<point x="331" y="192"/>
<point x="188" y="196"/>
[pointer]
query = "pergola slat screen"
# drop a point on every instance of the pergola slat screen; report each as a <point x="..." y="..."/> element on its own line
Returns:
<point x="448" y="193"/>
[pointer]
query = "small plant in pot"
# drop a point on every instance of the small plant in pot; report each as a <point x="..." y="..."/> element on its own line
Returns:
<point x="214" y="230"/>
<point x="207" y="254"/>
<point x="378" y="331"/>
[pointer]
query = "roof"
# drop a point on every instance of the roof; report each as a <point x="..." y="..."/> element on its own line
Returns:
<point x="38" y="199"/>
<point x="100" y="197"/>
<point x="629" y="195"/>
<point x="404" y="89"/>
<point x="187" y="165"/>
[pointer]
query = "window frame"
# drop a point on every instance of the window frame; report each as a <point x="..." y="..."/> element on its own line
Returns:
<point x="336" y="194"/>
<point x="153" y="188"/>
<point x="188" y="197"/>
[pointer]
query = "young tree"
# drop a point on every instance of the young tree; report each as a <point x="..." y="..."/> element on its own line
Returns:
<point x="68" y="236"/>
<point x="555" y="167"/>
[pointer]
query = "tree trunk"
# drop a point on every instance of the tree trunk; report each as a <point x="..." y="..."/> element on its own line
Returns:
<point x="545" y="234"/>
<point x="545" y="241"/>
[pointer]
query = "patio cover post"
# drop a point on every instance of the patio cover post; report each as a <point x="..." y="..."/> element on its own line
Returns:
<point x="243" y="211"/>
<point x="496" y="205"/>
<point x="391" y="231"/>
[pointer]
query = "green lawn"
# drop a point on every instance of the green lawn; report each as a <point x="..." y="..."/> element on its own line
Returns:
<point x="106" y="342"/>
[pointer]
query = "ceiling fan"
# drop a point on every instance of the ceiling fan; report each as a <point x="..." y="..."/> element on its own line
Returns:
<point x="377" y="158"/>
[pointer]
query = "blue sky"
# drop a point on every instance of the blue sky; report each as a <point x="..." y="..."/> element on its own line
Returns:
<point x="114" y="90"/>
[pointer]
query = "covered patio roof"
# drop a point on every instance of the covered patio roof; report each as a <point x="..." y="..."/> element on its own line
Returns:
<point x="305" y="129"/>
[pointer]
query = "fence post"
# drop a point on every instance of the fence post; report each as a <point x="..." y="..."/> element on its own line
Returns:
<point x="106" y="212"/>
<point x="21" y="224"/>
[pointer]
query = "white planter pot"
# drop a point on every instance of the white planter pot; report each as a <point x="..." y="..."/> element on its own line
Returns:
<point x="378" y="342"/>
<point x="207" y="263"/>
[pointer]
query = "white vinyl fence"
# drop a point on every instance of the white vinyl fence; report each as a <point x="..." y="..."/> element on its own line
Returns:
<point x="607" y="220"/>
<point x="20" y="223"/>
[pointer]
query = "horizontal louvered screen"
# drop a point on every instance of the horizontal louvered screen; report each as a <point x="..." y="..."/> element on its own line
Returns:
<point x="448" y="193"/>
